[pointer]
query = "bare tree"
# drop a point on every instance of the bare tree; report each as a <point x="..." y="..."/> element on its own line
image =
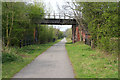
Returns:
<point x="71" y="10"/>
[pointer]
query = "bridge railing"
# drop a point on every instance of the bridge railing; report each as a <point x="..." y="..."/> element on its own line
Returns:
<point x="59" y="16"/>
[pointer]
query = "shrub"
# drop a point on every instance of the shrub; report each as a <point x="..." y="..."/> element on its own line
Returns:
<point x="109" y="45"/>
<point x="114" y="45"/>
<point x="9" y="57"/>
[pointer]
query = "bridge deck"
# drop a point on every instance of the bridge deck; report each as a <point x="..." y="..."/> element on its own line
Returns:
<point x="56" y="21"/>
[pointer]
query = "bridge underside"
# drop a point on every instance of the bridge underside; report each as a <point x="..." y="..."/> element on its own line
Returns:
<point x="56" y="21"/>
<point x="60" y="22"/>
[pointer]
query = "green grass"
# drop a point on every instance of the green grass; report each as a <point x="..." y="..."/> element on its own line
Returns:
<point x="29" y="53"/>
<point x="88" y="63"/>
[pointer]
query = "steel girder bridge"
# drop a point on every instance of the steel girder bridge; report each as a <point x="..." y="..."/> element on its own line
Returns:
<point x="59" y="19"/>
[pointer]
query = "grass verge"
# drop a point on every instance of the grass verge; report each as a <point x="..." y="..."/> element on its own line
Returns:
<point x="88" y="63"/>
<point x="28" y="53"/>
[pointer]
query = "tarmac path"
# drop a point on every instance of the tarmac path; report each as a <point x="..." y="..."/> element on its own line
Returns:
<point x="53" y="63"/>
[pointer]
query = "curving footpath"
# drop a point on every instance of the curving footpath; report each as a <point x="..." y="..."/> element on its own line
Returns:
<point x="53" y="63"/>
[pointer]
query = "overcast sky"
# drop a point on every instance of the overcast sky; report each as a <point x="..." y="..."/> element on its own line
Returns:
<point x="52" y="4"/>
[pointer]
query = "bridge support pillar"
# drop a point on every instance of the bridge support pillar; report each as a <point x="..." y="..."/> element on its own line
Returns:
<point x="77" y="34"/>
<point x="73" y="33"/>
<point x="36" y="34"/>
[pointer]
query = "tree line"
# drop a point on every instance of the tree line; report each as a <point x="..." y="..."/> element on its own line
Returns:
<point x="19" y="28"/>
<point x="100" y="20"/>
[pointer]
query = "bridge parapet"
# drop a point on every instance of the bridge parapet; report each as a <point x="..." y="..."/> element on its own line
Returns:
<point x="56" y="21"/>
<point x="59" y="16"/>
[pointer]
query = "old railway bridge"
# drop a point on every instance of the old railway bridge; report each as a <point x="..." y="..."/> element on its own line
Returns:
<point x="57" y="19"/>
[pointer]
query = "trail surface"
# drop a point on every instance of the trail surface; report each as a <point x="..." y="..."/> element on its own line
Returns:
<point x="53" y="63"/>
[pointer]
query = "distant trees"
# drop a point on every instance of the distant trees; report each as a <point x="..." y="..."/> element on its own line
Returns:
<point x="48" y="33"/>
<point x="68" y="33"/>
<point x="18" y="24"/>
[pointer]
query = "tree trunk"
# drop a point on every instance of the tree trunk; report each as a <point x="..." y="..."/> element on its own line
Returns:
<point x="7" y="31"/>
<point x="9" y="34"/>
<point x="11" y="24"/>
<point x="34" y="34"/>
<point x="92" y="44"/>
<point x="98" y="31"/>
